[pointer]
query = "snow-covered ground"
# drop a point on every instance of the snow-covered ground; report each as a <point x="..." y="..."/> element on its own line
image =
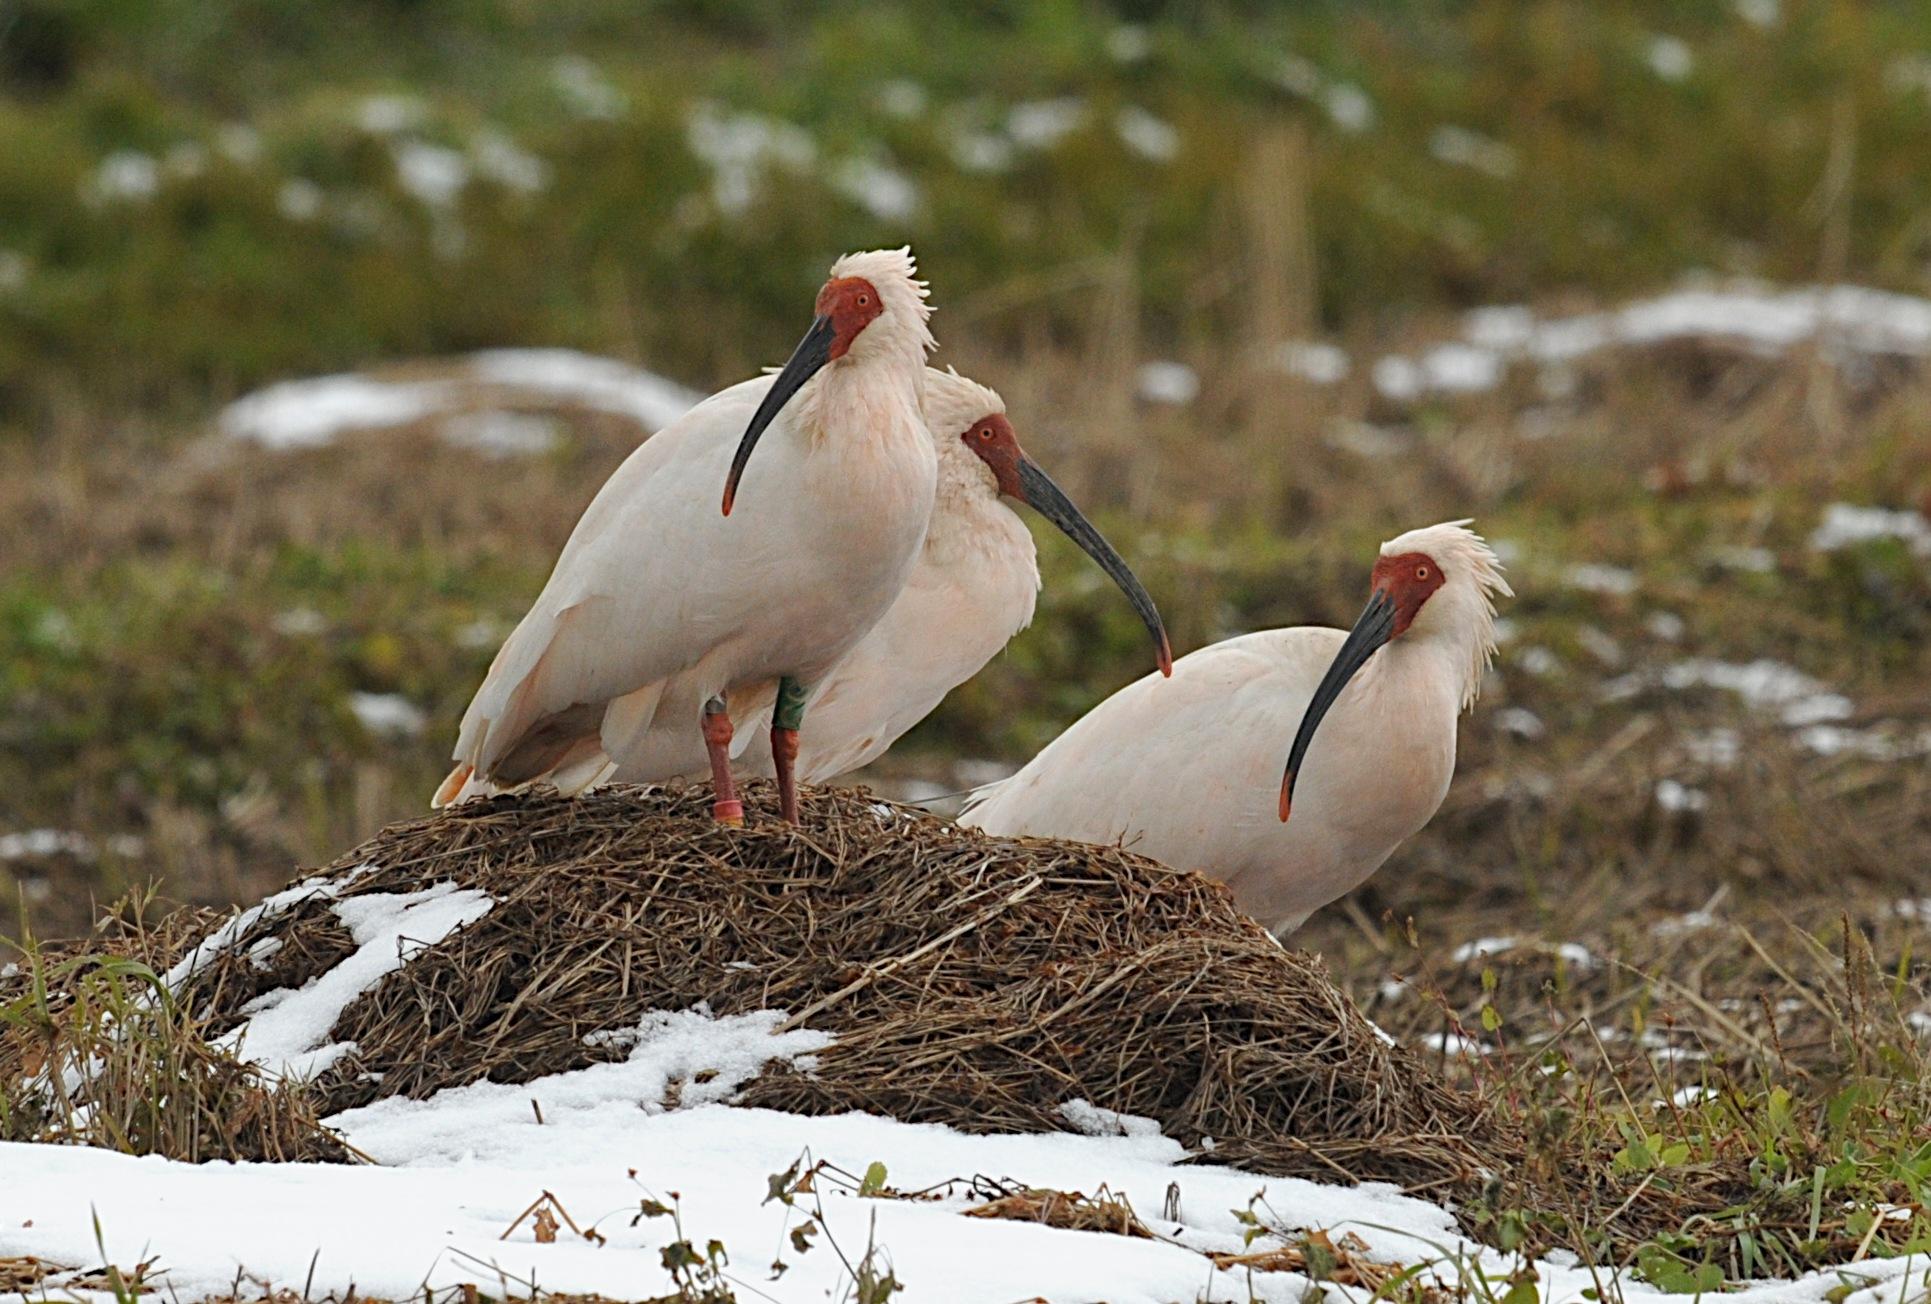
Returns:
<point x="456" y="1170"/>
<point x="439" y="1205"/>
<point x="313" y="412"/>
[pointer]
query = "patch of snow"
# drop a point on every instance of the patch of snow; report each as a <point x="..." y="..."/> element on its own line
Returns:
<point x="435" y="175"/>
<point x="584" y="90"/>
<point x="1916" y="909"/>
<point x="1042" y="124"/>
<point x="388" y="713"/>
<point x="1089" y="1119"/>
<point x="263" y="951"/>
<point x="1881" y="743"/>
<point x="1692" y="1095"/>
<point x="901" y="98"/>
<point x="1844" y="318"/>
<point x="1752" y="561"/>
<point x="239" y="143"/>
<point x="1760" y="13"/>
<point x="1461" y="147"/>
<point x="880" y="189"/>
<point x="1503" y="328"/>
<point x="982" y="151"/>
<point x="1675" y="798"/>
<point x="1521" y="722"/>
<point x="1482" y="946"/>
<point x="1764" y="685"/>
<point x="500" y="434"/>
<point x="1453" y="1043"/>
<point x="125" y="176"/>
<point x="1694" y="921"/>
<point x="602" y="383"/>
<point x="311" y="413"/>
<point x="1349" y="107"/>
<point x="409" y="1224"/>
<point x="740" y="147"/>
<point x="1596" y="577"/>
<point x="706" y="1058"/>
<point x="1598" y="644"/>
<point x="299" y="199"/>
<point x="34" y="844"/>
<point x="1128" y="43"/>
<point x="315" y="412"/>
<point x="1172" y="383"/>
<point x="1846" y="525"/>
<point x="390" y="115"/>
<point x="498" y="157"/>
<point x="1666" y="625"/>
<point x="1909" y="74"/>
<point x="1366" y="439"/>
<point x="1148" y="136"/>
<point x="299" y="622"/>
<point x="287" y="1030"/>
<point x="1445" y="369"/>
<point x="1398" y="378"/>
<point x="479" y="634"/>
<point x="1538" y="661"/>
<point x="1718" y="747"/>
<point x="1669" y="57"/>
<point x="1311" y="360"/>
<point x="231" y="929"/>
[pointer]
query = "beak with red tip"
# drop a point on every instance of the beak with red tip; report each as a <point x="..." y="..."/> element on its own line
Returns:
<point x="807" y="360"/>
<point x="1037" y="491"/>
<point x="1371" y="631"/>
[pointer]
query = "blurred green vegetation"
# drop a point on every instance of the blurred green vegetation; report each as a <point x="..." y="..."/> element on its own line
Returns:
<point x="198" y="195"/>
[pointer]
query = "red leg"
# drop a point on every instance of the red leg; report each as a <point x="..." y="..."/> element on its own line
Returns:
<point x="784" y="755"/>
<point x="726" y="807"/>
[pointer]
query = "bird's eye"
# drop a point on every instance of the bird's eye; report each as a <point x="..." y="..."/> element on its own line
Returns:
<point x="1421" y="572"/>
<point x="985" y="432"/>
<point x="864" y="300"/>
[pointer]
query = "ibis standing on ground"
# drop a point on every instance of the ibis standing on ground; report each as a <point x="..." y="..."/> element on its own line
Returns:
<point x="973" y="588"/>
<point x="666" y="616"/>
<point x="1191" y="773"/>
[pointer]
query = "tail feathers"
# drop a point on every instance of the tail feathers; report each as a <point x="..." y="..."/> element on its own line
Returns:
<point x="452" y="787"/>
<point x="974" y="813"/>
<point x="584" y="769"/>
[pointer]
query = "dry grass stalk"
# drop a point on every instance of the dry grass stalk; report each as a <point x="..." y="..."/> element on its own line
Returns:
<point x="1103" y="1211"/>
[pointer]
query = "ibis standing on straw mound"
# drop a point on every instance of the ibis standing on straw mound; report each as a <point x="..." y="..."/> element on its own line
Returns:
<point x="665" y="616"/>
<point x="973" y="588"/>
<point x="1190" y="773"/>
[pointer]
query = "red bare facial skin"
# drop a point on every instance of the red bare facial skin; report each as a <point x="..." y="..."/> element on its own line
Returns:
<point x="992" y="438"/>
<point x="1408" y="580"/>
<point x="852" y="304"/>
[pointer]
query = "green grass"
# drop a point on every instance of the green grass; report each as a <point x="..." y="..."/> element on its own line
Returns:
<point x="1620" y="178"/>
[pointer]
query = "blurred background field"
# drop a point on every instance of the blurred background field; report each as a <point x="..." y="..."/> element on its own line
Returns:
<point x="1633" y="284"/>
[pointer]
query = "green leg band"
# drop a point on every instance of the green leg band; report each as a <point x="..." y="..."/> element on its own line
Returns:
<point x="791" y="705"/>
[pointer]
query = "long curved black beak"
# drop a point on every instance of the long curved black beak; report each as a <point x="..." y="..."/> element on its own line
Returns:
<point x="812" y="353"/>
<point x="1046" y="498"/>
<point x="1375" y="627"/>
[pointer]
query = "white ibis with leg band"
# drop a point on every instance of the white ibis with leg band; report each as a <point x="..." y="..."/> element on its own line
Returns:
<point x="1190" y="773"/>
<point x="973" y="588"/>
<point x="665" y="617"/>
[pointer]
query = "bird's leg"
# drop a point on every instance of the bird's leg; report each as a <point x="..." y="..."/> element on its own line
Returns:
<point x="725" y="807"/>
<point x="790" y="714"/>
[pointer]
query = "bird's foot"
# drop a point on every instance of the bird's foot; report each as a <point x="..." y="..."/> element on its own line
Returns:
<point x="728" y="813"/>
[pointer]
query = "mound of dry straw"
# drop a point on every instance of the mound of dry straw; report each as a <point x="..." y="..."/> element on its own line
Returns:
<point x="975" y="981"/>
